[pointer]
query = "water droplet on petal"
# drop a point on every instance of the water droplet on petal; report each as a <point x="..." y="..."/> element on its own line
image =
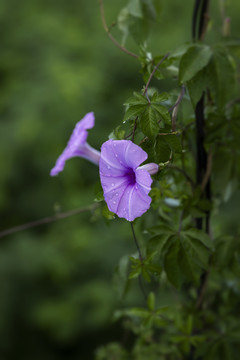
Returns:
<point x="113" y="184"/>
<point x="114" y="202"/>
<point x="114" y="144"/>
<point x="116" y="194"/>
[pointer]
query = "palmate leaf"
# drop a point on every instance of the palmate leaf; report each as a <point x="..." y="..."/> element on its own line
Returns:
<point x="194" y="60"/>
<point x="184" y="256"/>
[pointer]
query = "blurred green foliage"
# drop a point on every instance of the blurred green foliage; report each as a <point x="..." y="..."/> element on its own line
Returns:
<point x="56" y="64"/>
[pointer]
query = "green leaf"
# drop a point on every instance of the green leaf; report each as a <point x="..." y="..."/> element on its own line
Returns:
<point x="136" y="19"/>
<point x="162" y="111"/>
<point x="149" y="122"/>
<point x="149" y="147"/>
<point x="225" y="248"/>
<point x="223" y="80"/>
<point x="196" y="251"/>
<point x="171" y="263"/>
<point x="159" y="97"/>
<point x="151" y="301"/>
<point x="134" y="110"/>
<point x="163" y="150"/>
<point x="174" y="142"/>
<point x="137" y="99"/>
<point x="145" y="274"/>
<point x="154" y="268"/>
<point x="157" y="243"/>
<point x="187" y="264"/>
<point x="107" y="213"/>
<point x="194" y="60"/>
<point x="199" y="235"/>
<point x="135" y="273"/>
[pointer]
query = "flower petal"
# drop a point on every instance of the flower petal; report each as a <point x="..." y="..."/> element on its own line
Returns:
<point x="76" y="145"/>
<point x="128" y="153"/>
<point x="144" y="180"/>
<point x="79" y="134"/>
<point x="114" y="159"/>
<point x="133" y="203"/>
<point x="114" y="192"/>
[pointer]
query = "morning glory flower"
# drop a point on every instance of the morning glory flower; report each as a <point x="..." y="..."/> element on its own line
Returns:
<point x="125" y="184"/>
<point x="77" y="145"/>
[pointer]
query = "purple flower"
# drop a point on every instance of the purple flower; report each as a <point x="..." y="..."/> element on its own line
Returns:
<point x="77" y="145"/>
<point x="125" y="184"/>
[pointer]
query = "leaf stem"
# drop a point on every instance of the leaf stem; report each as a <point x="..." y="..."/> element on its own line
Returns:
<point x="153" y="72"/>
<point x="136" y="242"/>
<point x="106" y="28"/>
<point x="175" y="107"/>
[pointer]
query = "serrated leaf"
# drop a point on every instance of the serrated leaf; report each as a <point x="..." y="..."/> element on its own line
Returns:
<point x="157" y="243"/>
<point x="198" y="84"/>
<point x="159" y="97"/>
<point x="162" y="149"/>
<point x="148" y="122"/>
<point x="149" y="147"/>
<point x="174" y="142"/>
<point x="171" y="264"/>
<point x="194" y="60"/>
<point x="196" y="251"/>
<point x="137" y="99"/>
<point x="163" y="112"/>
<point x="199" y="235"/>
<point x="187" y="265"/>
<point x="134" y="110"/>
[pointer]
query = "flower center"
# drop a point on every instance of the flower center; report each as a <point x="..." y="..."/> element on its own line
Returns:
<point x="131" y="177"/>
